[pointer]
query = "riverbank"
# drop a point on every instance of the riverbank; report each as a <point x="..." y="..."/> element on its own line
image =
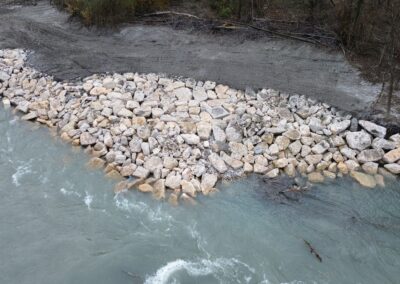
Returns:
<point x="175" y="138"/>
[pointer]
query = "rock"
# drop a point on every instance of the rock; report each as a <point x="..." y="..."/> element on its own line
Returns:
<point x="282" y="142"/>
<point x="380" y="143"/>
<point x="292" y="134"/>
<point x="23" y="106"/>
<point x="200" y="94"/>
<point x="233" y="134"/>
<point x="208" y="182"/>
<point x="219" y="134"/>
<point x="145" y="187"/>
<point x="204" y="130"/>
<point x="380" y="180"/>
<point x="374" y="129"/>
<point x="338" y="141"/>
<point x="29" y="116"/>
<point x="280" y="163"/>
<point x="339" y="127"/>
<point x="170" y="163"/>
<point x="370" y="155"/>
<point x="392" y="156"/>
<point x="363" y="179"/>
<point x="247" y="168"/>
<point x="321" y="147"/>
<point x="393" y="168"/>
<point x="153" y="164"/>
<point x="159" y="189"/>
<point x="232" y="162"/>
<point x="313" y="159"/>
<point x="188" y="188"/>
<point x="187" y="199"/>
<point x="315" y="124"/>
<point x="259" y="168"/>
<point x="352" y="165"/>
<point x="86" y="139"/>
<point x="218" y="163"/>
<point x="4" y="77"/>
<point x="238" y="150"/>
<point x="173" y="199"/>
<point x="348" y="153"/>
<point x="370" y="168"/>
<point x="183" y="94"/>
<point x="95" y="163"/>
<point x="218" y="112"/>
<point x="316" y="177"/>
<point x="128" y="170"/>
<point x="173" y="181"/>
<point x="295" y="147"/>
<point x="342" y="168"/>
<point x="141" y="172"/>
<point x="272" y="174"/>
<point x="97" y="91"/>
<point x="358" y="140"/>
<point x="191" y="139"/>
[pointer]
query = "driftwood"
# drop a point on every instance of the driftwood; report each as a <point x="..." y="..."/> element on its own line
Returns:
<point x="308" y="38"/>
<point x="161" y="13"/>
<point x="313" y="251"/>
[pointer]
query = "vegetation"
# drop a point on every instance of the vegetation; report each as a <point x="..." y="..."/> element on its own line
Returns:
<point x="109" y="12"/>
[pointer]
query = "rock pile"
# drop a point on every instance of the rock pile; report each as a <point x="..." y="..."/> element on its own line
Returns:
<point x="176" y="138"/>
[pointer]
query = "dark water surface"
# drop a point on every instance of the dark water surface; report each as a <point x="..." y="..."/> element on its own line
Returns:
<point x="61" y="223"/>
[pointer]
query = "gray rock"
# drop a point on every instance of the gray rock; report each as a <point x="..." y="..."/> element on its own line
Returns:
<point x="183" y="94"/>
<point x="4" y="77"/>
<point x="233" y="133"/>
<point x="218" y="163"/>
<point x="30" y="116"/>
<point x="358" y="140"/>
<point x="393" y="168"/>
<point x="173" y="181"/>
<point x="370" y="168"/>
<point x="87" y="139"/>
<point x="348" y="153"/>
<point x="339" y="127"/>
<point x="381" y="143"/>
<point x="204" y="130"/>
<point x="292" y="134"/>
<point x="219" y="134"/>
<point x="315" y="124"/>
<point x="321" y="147"/>
<point x="218" y="112"/>
<point x="370" y="155"/>
<point x="272" y="174"/>
<point x="141" y="172"/>
<point x="153" y="164"/>
<point x="191" y="139"/>
<point x="208" y="181"/>
<point x="374" y="129"/>
<point x="200" y="94"/>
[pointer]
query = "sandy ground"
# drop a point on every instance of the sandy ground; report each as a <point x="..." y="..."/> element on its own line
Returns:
<point x="66" y="50"/>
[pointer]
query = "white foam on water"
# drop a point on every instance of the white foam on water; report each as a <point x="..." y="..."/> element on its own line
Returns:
<point x="22" y="170"/>
<point x="224" y="269"/>
<point x="154" y="215"/>
<point x="88" y="199"/>
<point x="69" y="192"/>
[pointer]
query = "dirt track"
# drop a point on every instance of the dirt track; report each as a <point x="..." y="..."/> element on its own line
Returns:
<point x="66" y="50"/>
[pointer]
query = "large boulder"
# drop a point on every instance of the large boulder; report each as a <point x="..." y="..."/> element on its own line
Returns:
<point x="374" y="129"/>
<point x="393" y="168"/>
<point x="370" y="155"/>
<point x="339" y="127"/>
<point x="359" y="140"/>
<point x="392" y="156"/>
<point x="86" y="139"/>
<point x="363" y="179"/>
<point x="218" y="163"/>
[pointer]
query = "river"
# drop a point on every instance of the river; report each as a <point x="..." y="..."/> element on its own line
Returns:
<point x="61" y="223"/>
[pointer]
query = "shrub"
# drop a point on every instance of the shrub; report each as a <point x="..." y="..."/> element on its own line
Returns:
<point x="109" y="12"/>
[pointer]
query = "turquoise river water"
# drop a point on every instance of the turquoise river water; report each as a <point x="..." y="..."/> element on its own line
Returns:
<point x="61" y="223"/>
